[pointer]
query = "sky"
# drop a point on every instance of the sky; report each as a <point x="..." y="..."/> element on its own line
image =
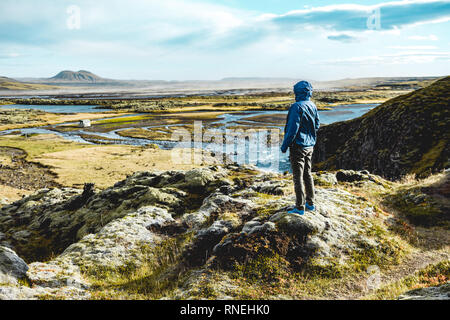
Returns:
<point x="211" y="40"/>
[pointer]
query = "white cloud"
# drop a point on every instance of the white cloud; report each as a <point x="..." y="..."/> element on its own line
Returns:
<point x="414" y="47"/>
<point x="10" y="55"/>
<point x="407" y="57"/>
<point x="431" y="37"/>
<point x="164" y="38"/>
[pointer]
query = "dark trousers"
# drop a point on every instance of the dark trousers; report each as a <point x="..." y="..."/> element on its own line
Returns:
<point x="301" y="162"/>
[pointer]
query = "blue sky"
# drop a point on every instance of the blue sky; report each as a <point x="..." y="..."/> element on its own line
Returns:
<point x="186" y="40"/>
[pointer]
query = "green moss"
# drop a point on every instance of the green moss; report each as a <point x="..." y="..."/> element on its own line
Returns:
<point x="329" y="268"/>
<point x="158" y="276"/>
<point x="123" y="119"/>
<point x="388" y="251"/>
<point x="429" y="160"/>
<point x="34" y="148"/>
<point x="270" y="267"/>
<point x="418" y="208"/>
<point x="266" y="211"/>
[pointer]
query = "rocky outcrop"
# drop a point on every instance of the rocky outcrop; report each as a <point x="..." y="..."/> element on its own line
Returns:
<point x="122" y="242"/>
<point x="431" y="293"/>
<point x="408" y="134"/>
<point x="49" y="221"/>
<point x="18" y="281"/>
<point x="214" y="205"/>
<point x="326" y="236"/>
<point x="231" y="218"/>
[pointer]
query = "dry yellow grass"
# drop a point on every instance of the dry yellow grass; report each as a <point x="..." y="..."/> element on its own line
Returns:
<point x="105" y="165"/>
<point x="205" y="115"/>
<point x="12" y="194"/>
<point x="77" y="163"/>
<point x="8" y="84"/>
<point x="37" y="145"/>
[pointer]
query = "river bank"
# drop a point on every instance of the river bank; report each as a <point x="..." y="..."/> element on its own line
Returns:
<point x="163" y="129"/>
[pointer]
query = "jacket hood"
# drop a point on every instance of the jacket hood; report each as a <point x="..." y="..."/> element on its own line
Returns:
<point x="303" y="91"/>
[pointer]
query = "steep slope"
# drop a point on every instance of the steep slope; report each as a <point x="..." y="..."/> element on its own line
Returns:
<point x="406" y="135"/>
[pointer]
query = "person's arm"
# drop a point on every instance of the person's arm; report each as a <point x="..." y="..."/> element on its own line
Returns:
<point x="292" y="127"/>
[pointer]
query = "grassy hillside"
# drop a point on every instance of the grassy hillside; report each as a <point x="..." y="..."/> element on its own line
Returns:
<point x="10" y="84"/>
<point x="405" y="135"/>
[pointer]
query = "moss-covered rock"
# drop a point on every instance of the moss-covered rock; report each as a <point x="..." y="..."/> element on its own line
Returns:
<point x="430" y="293"/>
<point x="424" y="205"/>
<point x="160" y="234"/>
<point x="11" y="265"/>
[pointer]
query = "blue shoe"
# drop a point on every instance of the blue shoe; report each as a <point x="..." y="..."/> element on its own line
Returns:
<point x="310" y="207"/>
<point x="297" y="211"/>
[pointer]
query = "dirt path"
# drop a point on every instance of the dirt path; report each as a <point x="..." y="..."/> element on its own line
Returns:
<point x="434" y="248"/>
<point x="18" y="173"/>
<point x="412" y="264"/>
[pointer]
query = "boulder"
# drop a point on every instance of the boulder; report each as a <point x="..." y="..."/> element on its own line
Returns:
<point x="120" y="242"/>
<point x="301" y="226"/>
<point x="351" y="176"/>
<point x="325" y="179"/>
<point x="56" y="275"/>
<point x="204" y="179"/>
<point x="11" y="264"/>
<point x="256" y="226"/>
<point x="272" y="187"/>
<point x="214" y="205"/>
<point x="199" y="178"/>
<point x="219" y="225"/>
<point x="217" y="230"/>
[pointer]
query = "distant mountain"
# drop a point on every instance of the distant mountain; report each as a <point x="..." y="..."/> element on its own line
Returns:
<point x="395" y="83"/>
<point x="256" y="79"/>
<point x="6" y="79"/>
<point x="80" y="76"/>
<point x="406" y="135"/>
<point x="380" y="83"/>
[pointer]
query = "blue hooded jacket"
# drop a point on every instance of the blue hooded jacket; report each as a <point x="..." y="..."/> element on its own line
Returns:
<point x="303" y="119"/>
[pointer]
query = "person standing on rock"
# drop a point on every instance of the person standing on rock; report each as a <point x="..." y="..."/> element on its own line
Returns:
<point x="300" y="137"/>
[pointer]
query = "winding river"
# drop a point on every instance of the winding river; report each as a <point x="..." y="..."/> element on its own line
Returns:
<point x="268" y="158"/>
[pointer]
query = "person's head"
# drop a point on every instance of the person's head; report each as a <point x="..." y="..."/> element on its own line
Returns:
<point x="303" y="91"/>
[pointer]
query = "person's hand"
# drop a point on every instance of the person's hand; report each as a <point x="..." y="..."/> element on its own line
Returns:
<point x="283" y="151"/>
